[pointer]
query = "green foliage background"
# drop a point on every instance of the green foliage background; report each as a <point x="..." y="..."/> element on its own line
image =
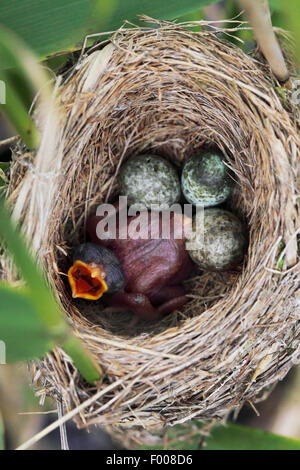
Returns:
<point x="69" y="21"/>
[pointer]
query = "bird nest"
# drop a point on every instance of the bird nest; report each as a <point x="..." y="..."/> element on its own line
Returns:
<point x="169" y="91"/>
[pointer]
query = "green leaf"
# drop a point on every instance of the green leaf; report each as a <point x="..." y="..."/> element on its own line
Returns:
<point x="4" y="166"/>
<point x="236" y="437"/>
<point x="41" y="295"/>
<point x="20" y="84"/>
<point x="22" y="334"/>
<point x="279" y="258"/>
<point x="277" y="5"/>
<point x="229" y="437"/>
<point x="41" y="306"/>
<point x="292" y="15"/>
<point x="56" y="26"/>
<point x="287" y="15"/>
<point x="17" y="114"/>
<point x="88" y="368"/>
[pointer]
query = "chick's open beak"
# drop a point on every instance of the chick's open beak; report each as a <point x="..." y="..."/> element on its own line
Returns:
<point x="87" y="280"/>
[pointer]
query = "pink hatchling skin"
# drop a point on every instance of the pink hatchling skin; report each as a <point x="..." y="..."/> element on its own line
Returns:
<point x="153" y="268"/>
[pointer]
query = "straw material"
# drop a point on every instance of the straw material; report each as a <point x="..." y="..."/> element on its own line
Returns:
<point x="169" y="91"/>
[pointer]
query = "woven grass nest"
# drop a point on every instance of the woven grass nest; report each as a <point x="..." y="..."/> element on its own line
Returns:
<point x="170" y="91"/>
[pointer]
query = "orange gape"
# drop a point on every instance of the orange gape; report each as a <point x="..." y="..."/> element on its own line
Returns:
<point x="153" y="266"/>
<point x="87" y="280"/>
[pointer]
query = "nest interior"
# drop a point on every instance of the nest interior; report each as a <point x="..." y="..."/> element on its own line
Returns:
<point x="169" y="91"/>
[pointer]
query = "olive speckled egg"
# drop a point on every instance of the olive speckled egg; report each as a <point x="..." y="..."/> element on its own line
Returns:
<point x="205" y="180"/>
<point x="221" y="244"/>
<point x="149" y="179"/>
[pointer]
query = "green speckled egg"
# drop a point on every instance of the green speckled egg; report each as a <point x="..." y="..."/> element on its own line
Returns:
<point x="222" y="244"/>
<point x="205" y="180"/>
<point x="149" y="179"/>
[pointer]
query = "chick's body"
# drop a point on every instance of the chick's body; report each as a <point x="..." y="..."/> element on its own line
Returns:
<point x="153" y="266"/>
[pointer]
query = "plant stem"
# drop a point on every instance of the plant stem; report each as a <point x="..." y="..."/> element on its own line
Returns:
<point x="258" y="14"/>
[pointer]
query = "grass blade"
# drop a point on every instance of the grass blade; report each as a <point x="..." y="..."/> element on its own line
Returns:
<point x="56" y="26"/>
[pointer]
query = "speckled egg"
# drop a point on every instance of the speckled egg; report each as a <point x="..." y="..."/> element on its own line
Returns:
<point x="205" y="180"/>
<point x="149" y="179"/>
<point x="217" y="241"/>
